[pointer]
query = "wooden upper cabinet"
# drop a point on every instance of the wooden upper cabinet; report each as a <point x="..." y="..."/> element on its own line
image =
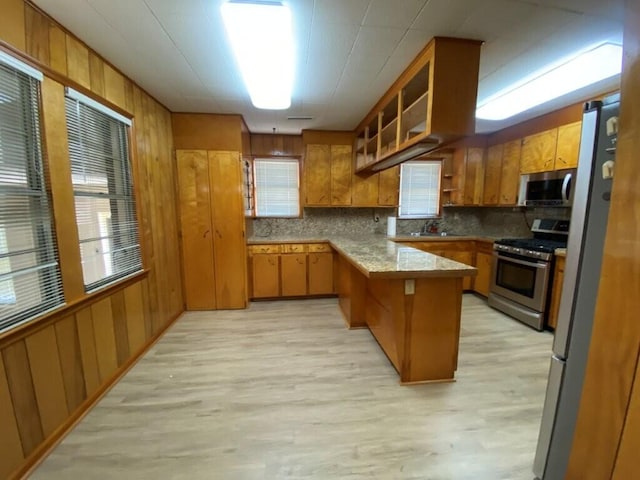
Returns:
<point x="568" y="146"/>
<point x="474" y="176"/>
<point x="458" y="180"/>
<point x="432" y="102"/>
<point x="492" y="176"/>
<point x="341" y="173"/>
<point x="389" y="187"/>
<point x="510" y="180"/>
<point x="317" y="175"/>
<point x="539" y="152"/>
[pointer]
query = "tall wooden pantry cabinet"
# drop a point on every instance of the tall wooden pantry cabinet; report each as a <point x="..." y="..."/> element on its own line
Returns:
<point x="212" y="229"/>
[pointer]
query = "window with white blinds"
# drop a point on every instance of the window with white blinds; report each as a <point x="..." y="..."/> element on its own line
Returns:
<point x="103" y="191"/>
<point x="30" y="281"/>
<point x="420" y="189"/>
<point x="277" y="188"/>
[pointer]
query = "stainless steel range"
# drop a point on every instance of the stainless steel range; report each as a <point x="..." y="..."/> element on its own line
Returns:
<point x="522" y="271"/>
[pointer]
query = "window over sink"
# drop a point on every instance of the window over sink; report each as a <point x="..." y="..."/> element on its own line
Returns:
<point x="420" y="189"/>
<point x="277" y="187"/>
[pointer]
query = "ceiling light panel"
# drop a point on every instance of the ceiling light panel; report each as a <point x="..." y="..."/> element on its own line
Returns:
<point x="262" y="41"/>
<point x="587" y="68"/>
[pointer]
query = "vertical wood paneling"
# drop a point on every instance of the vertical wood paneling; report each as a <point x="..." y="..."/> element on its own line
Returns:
<point x="88" y="355"/>
<point x="78" y="62"/>
<point x="626" y="465"/>
<point x="114" y="86"/>
<point x="120" y="326"/>
<point x="105" y="337"/>
<point x="25" y="406"/>
<point x="197" y="229"/>
<point x="55" y="134"/>
<point x="58" y="49"/>
<point x="37" y="34"/>
<point x="48" y="384"/>
<point x="12" y="23"/>
<point x="134" y="308"/>
<point x="11" y="455"/>
<point x="225" y="173"/>
<point x="148" y="328"/>
<point x="96" y="74"/>
<point x="71" y="362"/>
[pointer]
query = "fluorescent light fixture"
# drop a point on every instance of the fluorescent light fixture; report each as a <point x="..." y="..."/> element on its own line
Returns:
<point x="262" y="41"/>
<point x="586" y="68"/>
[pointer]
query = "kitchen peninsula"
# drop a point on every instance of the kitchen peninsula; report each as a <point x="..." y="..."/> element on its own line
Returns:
<point x="409" y="299"/>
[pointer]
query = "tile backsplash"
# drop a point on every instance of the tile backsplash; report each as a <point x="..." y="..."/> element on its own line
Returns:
<point x="483" y="221"/>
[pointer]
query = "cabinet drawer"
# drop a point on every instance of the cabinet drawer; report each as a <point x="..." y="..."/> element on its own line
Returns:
<point x="253" y="249"/>
<point x="294" y="248"/>
<point x="319" y="248"/>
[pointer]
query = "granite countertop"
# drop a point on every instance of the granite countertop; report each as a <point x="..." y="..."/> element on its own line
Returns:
<point x="377" y="256"/>
<point x="255" y="240"/>
<point x="560" y="252"/>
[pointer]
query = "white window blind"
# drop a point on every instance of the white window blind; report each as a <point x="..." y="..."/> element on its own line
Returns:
<point x="419" y="189"/>
<point x="277" y="187"/>
<point x="103" y="191"/>
<point x="30" y="282"/>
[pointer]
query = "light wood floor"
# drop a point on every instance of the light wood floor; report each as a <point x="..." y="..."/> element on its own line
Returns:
<point x="283" y="391"/>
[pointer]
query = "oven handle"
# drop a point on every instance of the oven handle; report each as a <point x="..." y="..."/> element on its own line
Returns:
<point x="521" y="262"/>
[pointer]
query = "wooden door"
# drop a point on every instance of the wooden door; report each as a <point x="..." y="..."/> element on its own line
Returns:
<point x="539" y="152"/>
<point x="196" y="230"/>
<point x="266" y="275"/>
<point x="293" y="274"/>
<point x="568" y="146"/>
<point x="474" y="176"/>
<point x="556" y="292"/>
<point x="483" y="278"/>
<point x="317" y="175"/>
<point x="320" y="273"/>
<point x="389" y="187"/>
<point x="229" y="248"/>
<point x="510" y="180"/>
<point x="341" y="173"/>
<point x="365" y="191"/>
<point x="492" y="175"/>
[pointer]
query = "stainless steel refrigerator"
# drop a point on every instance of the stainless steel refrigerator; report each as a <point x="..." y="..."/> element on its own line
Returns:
<point x="580" y="288"/>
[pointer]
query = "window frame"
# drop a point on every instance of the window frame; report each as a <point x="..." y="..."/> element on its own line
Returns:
<point x="36" y="190"/>
<point x="438" y="205"/>
<point x="254" y="186"/>
<point x="124" y="181"/>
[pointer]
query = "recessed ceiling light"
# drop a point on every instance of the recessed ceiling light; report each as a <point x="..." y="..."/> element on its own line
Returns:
<point x="586" y="68"/>
<point x="262" y="41"/>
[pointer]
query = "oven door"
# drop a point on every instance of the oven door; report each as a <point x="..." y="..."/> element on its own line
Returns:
<point x="522" y="280"/>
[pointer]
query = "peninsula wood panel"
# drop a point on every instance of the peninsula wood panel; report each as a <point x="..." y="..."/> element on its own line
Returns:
<point x="11" y="455"/>
<point x="149" y="304"/>
<point x="317" y="175"/>
<point x="196" y="229"/>
<point x="615" y="341"/>
<point x="229" y="246"/>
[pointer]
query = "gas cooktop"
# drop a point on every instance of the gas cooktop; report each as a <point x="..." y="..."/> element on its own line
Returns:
<point x="535" y="244"/>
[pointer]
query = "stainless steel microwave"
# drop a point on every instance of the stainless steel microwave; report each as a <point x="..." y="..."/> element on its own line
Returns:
<point x="547" y="189"/>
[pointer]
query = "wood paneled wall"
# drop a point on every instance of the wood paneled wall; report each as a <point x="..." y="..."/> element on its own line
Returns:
<point x="204" y="131"/>
<point x="600" y="448"/>
<point x="54" y="368"/>
<point x="274" y="145"/>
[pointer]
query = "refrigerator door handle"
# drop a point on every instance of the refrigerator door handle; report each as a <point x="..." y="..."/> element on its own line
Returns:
<point x="566" y="185"/>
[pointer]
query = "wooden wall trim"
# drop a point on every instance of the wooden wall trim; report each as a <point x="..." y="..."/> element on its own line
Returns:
<point x="328" y="137"/>
<point x="54" y="439"/>
<point x="30" y="328"/>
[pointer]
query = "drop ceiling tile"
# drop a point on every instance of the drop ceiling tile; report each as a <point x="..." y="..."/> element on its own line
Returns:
<point x="494" y="19"/>
<point x="378" y="41"/>
<point x="349" y="12"/>
<point x="383" y="13"/>
<point x="444" y="17"/>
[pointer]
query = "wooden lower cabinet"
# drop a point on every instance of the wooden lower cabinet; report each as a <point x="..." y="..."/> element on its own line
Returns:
<point x="483" y="279"/>
<point x="556" y="292"/>
<point x="462" y="257"/>
<point x="265" y="270"/>
<point x="291" y="270"/>
<point x="459" y="251"/>
<point x="293" y="274"/>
